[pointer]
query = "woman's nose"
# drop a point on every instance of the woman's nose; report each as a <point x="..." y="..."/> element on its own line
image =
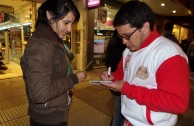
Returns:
<point x="68" y="28"/>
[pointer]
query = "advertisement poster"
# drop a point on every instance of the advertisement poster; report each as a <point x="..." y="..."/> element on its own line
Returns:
<point x="102" y="15"/>
<point x="1" y="17"/>
<point x="99" y="45"/>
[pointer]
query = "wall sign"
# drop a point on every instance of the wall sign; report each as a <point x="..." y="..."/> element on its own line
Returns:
<point x="93" y="3"/>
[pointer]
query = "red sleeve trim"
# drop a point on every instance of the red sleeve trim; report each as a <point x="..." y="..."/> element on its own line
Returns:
<point x="148" y="116"/>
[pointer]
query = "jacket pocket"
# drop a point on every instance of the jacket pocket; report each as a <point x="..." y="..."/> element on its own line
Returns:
<point x="58" y="103"/>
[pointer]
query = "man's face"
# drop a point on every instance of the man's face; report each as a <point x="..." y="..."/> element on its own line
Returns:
<point x="131" y="36"/>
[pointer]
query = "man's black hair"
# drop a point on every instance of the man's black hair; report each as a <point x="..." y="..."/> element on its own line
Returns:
<point x="135" y="13"/>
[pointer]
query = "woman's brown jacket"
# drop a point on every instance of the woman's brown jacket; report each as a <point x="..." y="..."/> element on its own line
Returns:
<point x="45" y="72"/>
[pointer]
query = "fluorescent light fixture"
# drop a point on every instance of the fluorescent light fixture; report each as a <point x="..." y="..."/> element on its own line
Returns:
<point x="11" y="25"/>
<point x="28" y="23"/>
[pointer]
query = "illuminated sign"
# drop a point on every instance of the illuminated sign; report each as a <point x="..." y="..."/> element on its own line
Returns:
<point x="93" y="3"/>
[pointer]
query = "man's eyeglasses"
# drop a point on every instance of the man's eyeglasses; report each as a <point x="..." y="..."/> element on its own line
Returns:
<point x="127" y="37"/>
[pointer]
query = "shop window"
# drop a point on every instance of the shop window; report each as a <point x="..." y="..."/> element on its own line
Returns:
<point x="103" y="29"/>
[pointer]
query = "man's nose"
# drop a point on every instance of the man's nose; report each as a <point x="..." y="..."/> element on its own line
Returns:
<point x="124" y="41"/>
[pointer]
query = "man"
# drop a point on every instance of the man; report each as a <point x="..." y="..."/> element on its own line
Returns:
<point x="190" y="54"/>
<point x="153" y="75"/>
<point x="168" y="27"/>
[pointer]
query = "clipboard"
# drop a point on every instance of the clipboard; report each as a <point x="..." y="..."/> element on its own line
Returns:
<point x="99" y="81"/>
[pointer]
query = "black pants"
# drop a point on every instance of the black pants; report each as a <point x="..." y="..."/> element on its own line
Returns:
<point x="34" y="123"/>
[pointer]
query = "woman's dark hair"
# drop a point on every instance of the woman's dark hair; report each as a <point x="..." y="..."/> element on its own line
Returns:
<point x="58" y="9"/>
<point x="114" y="52"/>
<point x="135" y="13"/>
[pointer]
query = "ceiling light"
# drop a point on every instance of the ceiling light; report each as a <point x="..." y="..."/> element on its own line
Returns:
<point x="190" y="13"/>
<point x="174" y="11"/>
<point x="162" y="4"/>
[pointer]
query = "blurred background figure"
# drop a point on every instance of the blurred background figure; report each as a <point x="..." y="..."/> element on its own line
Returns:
<point x="190" y="54"/>
<point x="113" y="56"/>
<point x="168" y="27"/>
<point x="185" y="45"/>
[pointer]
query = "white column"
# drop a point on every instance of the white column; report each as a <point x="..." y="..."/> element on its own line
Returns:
<point x="6" y="47"/>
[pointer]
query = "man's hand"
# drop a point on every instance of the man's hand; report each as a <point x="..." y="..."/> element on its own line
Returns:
<point x="116" y="86"/>
<point x="104" y="76"/>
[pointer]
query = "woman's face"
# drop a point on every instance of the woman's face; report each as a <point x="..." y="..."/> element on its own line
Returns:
<point x="63" y="26"/>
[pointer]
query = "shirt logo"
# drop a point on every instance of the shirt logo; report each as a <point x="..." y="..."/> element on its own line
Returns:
<point x="127" y="60"/>
<point x="142" y="73"/>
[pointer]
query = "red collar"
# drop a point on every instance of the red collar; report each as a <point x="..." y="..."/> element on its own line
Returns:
<point x="151" y="37"/>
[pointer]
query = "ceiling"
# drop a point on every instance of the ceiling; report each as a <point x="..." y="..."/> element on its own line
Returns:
<point x="183" y="15"/>
<point x="166" y="10"/>
<point x="154" y="4"/>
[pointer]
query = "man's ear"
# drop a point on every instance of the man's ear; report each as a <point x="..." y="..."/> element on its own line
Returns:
<point x="146" y="27"/>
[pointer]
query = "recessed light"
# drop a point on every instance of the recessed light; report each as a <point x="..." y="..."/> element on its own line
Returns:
<point x="162" y="4"/>
<point x="190" y="13"/>
<point x="174" y="11"/>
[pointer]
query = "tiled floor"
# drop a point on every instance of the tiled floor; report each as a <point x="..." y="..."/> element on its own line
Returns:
<point x="13" y="71"/>
<point x="92" y="105"/>
<point x="83" y="111"/>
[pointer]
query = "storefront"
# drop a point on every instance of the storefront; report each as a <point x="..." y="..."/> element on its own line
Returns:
<point x="21" y="26"/>
<point x="101" y="24"/>
<point x="18" y="26"/>
<point x="103" y="29"/>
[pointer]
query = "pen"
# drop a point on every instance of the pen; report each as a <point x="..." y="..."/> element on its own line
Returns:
<point x="109" y="72"/>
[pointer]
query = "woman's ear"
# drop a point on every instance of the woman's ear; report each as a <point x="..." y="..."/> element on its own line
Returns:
<point x="48" y="15"/>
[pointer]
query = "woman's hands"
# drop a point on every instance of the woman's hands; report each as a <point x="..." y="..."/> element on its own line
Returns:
<point x="81" y="75"/>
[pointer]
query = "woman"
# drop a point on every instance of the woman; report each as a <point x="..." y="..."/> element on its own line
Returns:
<point x="46" y="64"/>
